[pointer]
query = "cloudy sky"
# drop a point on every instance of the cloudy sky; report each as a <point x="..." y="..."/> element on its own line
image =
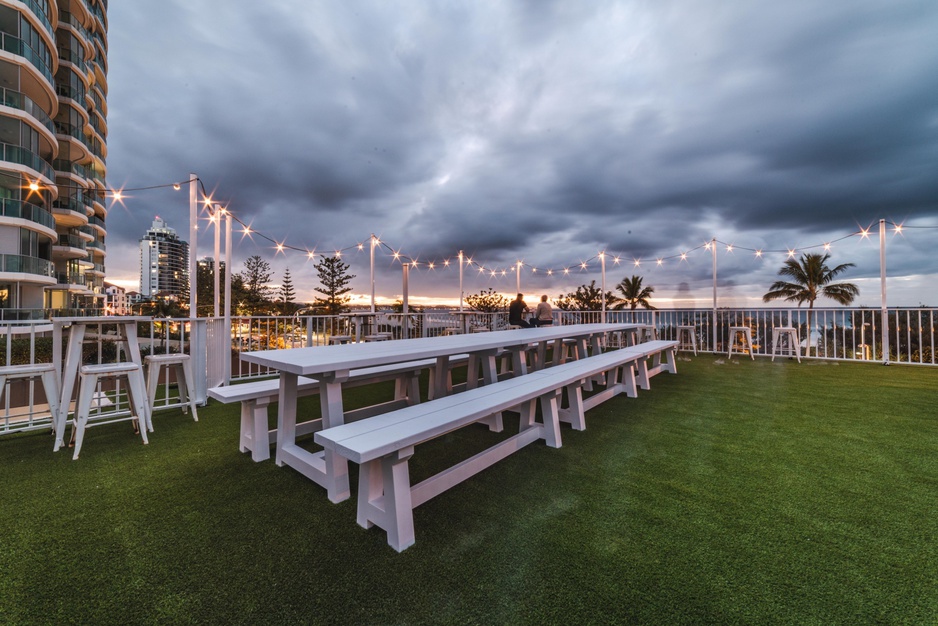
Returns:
<point x="537" y="131"/>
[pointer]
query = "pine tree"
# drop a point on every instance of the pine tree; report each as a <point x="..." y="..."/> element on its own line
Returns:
<point x="287" y="293"/>
<point x="333" y="285"/>
<point x="255" y="277"/>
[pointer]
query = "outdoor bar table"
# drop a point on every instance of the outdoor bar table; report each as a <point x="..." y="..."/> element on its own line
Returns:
<point x="331" y="365"/>
<point x="361" y="319"/>
<point x="126" y="334"/>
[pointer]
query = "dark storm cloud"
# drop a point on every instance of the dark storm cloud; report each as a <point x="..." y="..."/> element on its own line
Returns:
<point x="533" y="131"/>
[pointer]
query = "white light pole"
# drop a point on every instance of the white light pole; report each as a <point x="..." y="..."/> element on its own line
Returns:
<point x="373" y="243"/>
<point x="216" y="218"/>
<point x="713" y="252"/>
<point x="884" y="314"/>
<point x="602" y="264"/>
<point x="227" y="368"/>
<point x="193" y="245"/>
<point x="518" y="277"/>
<point x="460" y="281"/>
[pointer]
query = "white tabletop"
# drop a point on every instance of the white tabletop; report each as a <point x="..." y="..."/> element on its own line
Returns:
<point x="320" y="359"/>
<point x="102" y="319"/>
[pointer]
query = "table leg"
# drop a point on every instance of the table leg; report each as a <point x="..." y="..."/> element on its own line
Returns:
<point x="286" y="414"/>
<point x="337" y="479"/>
<point x="70" y="371"/>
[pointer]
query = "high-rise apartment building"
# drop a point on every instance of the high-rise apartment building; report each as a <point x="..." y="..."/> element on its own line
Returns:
<point x="53" y="146"/>
<point x="164" y="262"/>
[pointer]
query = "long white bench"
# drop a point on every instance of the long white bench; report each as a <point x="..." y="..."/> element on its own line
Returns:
<point x="383" y="444"/>
<point x="256" y="396"/>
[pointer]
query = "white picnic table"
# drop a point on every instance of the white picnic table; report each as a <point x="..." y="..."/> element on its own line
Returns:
<point x="331" y="365"/>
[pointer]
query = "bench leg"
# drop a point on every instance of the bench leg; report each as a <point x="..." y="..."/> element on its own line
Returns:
<point x="627" y="372"/>
<point x="644" y="381"/>
<point x="574" y="413"/>
<point x="254" y="430"/>
<point x="550" y="409"/>
<point x="384" y="498"/>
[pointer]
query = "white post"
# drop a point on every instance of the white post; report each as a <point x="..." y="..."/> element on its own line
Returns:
<point x="460" y="281"/>
<point x="217" y="218"/>
<point x="713" y="251"/>
<point x="518" y="277"/>
<point x="373" y="239"/>
<point x="884" y="314"/>
<point x="227" y="368"/>
<point x="602" y="263"/>
<point x="193" y="244"/>
<point x="405" y="308"/>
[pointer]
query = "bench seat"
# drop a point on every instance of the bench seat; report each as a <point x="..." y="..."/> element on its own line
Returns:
<point x="256" y="396"/>
<point x="383" y="444"/>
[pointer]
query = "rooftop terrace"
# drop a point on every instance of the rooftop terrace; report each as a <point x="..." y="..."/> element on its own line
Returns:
<point x="735" y="491"/>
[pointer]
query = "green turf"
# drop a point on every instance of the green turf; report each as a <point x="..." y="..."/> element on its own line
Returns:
<point x="734" y="492"/>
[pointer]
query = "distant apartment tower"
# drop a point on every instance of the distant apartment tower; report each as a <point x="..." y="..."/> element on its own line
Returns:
<point x="53" y="130"/>
<point x="164" y="262"/>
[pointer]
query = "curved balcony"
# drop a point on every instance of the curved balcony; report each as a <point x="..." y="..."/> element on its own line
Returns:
<point x="70" y="20"/>
<point x="27" y="211"/>
<point x="96" y="270"/>
<point x="28" y="158"/>
<point x="22" y="102"/>
<point x="69" y="212"/>
<point x="65" y="131"/>
<point x="74" y="281"/>
<point x="69" y="247"/>
<point x="15" y="45"/>
<point x="97" y="222"/>
<point x="86" y="234"/>
<point x="40" y="15"/>
<point x="69" y="56"/>
<point x="19" y="264"/>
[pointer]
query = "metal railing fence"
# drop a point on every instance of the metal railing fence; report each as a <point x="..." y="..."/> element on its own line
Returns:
<point x="843" y="334"/>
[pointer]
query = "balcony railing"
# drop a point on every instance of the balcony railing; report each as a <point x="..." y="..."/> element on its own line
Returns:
<point x="37" y="10"/>
<point x="26" y="265"/>
<point x="23" y="156"/>
<point x="17" y="46"/>
<point x="27" y="211"/>
<point x="17" y="100"/>
<point x="72" y="241"/>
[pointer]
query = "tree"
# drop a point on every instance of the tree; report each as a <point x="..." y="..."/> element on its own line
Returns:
<point x="585" y="298"/>
<point x="487" y="301"/>
<point x="255" y="277"/>
<point x="287" y="294"/>
<point x="810" y="277"/>
<point x="333" y="285"/>
<point x="634" y="294"/>
<point x="206" y="288"/>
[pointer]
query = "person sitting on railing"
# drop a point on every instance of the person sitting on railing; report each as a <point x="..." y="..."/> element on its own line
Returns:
<point x="516" y="310"/>
<point x="543" y="314"/>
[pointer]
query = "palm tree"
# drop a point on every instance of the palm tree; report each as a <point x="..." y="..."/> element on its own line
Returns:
<point x="633" y="294"/>
<point x="810" y="277"/>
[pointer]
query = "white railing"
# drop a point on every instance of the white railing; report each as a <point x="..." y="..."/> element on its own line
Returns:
<point x="851" y="334"/>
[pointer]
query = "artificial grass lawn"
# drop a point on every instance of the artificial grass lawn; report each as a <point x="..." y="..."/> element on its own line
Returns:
<point x="734" y="492"/>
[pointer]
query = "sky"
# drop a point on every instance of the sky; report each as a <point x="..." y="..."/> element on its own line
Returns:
<point x="535" y="131"/>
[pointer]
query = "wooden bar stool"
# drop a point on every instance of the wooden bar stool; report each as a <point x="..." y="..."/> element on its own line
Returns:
<point x="182" y="366"/>
<point x="47" y="373"/>
<point x="377" y="337"/>
<point x="89" y="375"/>
<point x="792" y="348"/>
<point x="690" y="332"/>
<point x="648" y="332"/>
<point x="746" y="333"/>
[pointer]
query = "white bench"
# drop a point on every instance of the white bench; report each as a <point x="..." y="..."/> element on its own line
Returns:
<point x="256" y="396"/>
<point x="383" y="444"/>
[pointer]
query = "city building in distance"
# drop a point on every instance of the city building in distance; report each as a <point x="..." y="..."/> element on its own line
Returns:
<point x="164" y="262"/>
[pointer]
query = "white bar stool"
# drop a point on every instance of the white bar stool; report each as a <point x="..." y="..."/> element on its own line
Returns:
<point x="687" y="331"/>
<point x="377" y="337"/>
<point x="746" y="333"/>
<point x="89" y="375"/>
<point x="648" y="332"/>
<point x="792" y="347"/>
<point x="50" y="386"/>
<point x="182" y="366"/>
<point x="339" y="339"/>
